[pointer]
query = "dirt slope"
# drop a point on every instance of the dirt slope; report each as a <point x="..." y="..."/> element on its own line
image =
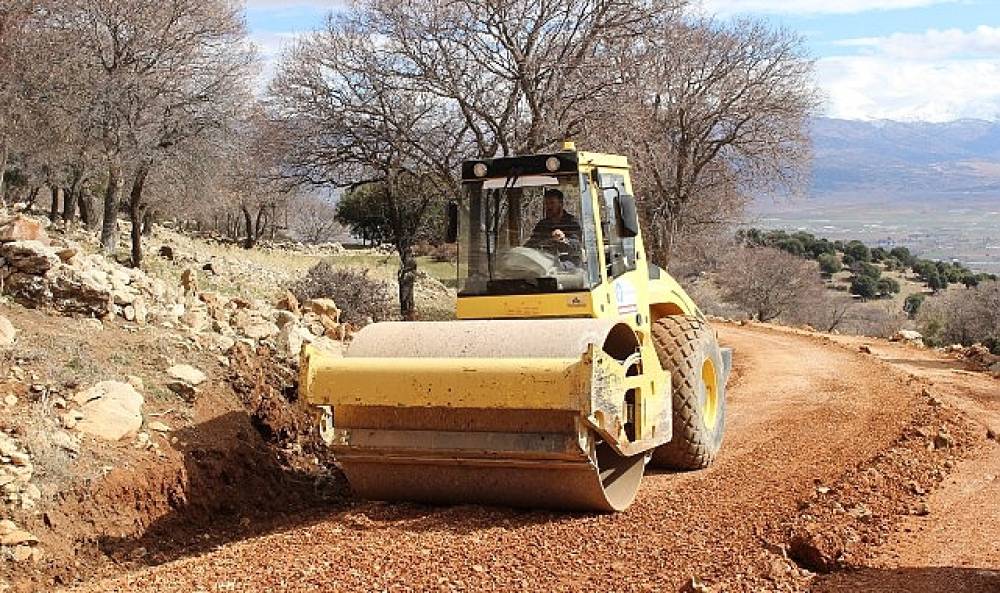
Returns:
<point x="827" y="449"/>
<point x="957" y="546"/>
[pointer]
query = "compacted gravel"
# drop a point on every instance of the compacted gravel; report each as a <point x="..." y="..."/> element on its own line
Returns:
<point x="803" y="412"/>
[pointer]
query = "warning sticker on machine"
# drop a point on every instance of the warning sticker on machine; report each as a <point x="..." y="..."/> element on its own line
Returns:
<point x="626" y="297"/>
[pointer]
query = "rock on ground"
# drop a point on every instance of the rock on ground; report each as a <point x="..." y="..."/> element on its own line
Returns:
<point x="111" y="410"/>
<point x="7" y="332"/>
<point x="187" y="374"/>
<point x="22" y="228"/>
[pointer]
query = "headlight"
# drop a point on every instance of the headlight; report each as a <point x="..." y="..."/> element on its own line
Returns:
<point x="552" y="164"/>
<point x="479" y="170"/>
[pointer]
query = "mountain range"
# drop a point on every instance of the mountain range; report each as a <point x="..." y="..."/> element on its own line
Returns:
<point x="905" y="160"/>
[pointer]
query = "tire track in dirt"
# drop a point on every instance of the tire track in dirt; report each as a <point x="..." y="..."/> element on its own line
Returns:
<point x="801" y="412"/>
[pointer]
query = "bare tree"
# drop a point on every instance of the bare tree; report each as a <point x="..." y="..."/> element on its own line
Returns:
<point x="161" y="73"/>
<point x="350" y="122"/>
<point x="313" y="219"/>
<point x="715" y="113"/>
<point x="768" y="283"/>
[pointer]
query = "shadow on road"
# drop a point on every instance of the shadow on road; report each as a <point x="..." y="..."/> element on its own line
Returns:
<point x="912" y="580"/>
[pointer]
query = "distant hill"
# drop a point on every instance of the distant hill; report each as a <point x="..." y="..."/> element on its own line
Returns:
<point x="908" y="160"/>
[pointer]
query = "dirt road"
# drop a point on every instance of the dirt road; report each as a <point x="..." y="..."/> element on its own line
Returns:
<point x="826" y="451"/>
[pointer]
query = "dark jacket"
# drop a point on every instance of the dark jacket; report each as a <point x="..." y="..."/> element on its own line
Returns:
<point x="566" y="222"/>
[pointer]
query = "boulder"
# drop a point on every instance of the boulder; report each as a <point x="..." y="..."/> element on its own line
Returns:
<point x="288" y="302"/>
<point x="323" y="307"/>
<point x="291" y="338"/>
<point x="907" y="335"/>
<point x="22" y="228"/>
<point x="7" y="332"/>
<point x="328" y="346"/>
<point x="30" y="257"/>
<point x="187" y="374"/>
<point x="73" y="292"/>
<point x="111" y="410"/>
<point x="253" y="326"/>
<point x="28" y="289"/>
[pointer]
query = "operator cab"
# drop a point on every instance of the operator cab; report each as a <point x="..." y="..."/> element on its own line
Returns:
<point x="527" y="225"/>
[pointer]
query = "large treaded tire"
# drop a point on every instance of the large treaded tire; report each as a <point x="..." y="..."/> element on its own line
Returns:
<point x="683" y="345"/>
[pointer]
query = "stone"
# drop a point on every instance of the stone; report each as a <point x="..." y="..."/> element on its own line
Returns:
<point x="10" y="400"/>
<point x="65" y="441"/>
<point x="215" y="342"/>
<point x="865" y="348"/>
<point x="183" y="389"/>
<point x="21" y="553"/>
<point x="158" y="427"/>
<point x="140" y="310"/>
<point x="991" y="434"/>
<point x="17" y="537"/>
<point x="8" y="335"/>
<point x="328" y="346"/>
<point x="166" y="252"/>
<point x="73" y="292"/>
<point x="198" y="321"/>
<point x="323" y="307"/>
<point x="189" y="281"/>
<point x="907" y="335"/>
<point x="921" y="509"/>
<point x="22" y="228"/>
<point x="28" y="289"/>
<point x="258" y="329"/>
<point x="187" y="374"/>
<point x="291" y="338"/>
<point x="66" y="254"/>
<point x="7" y="527"/>
<point x="111" y="410"/>
<point x="288" y="302"/>
<point x="283" y="318"/>
<point x="30" y="257"/>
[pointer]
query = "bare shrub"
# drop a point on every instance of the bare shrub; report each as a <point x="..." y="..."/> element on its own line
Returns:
<point x="879" y="320"/>
<point x="358" y="295"/>
<point x="768" y="283"/>
<point x="963" y="317"/>
<point x="822" y="309"/>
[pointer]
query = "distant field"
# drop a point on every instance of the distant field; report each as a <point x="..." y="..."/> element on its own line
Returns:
<point x="960" y="227"/>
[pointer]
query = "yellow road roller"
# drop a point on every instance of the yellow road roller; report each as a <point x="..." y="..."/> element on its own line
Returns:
<point x="573" y="363"/>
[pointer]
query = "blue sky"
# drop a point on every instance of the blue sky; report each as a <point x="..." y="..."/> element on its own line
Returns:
<point x="934" y="60"/>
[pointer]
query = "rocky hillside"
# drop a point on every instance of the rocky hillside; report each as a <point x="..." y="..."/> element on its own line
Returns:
<point x="134" y="403"/>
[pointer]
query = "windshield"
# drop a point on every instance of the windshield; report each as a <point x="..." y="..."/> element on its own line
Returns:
<point x="526" y="235"/>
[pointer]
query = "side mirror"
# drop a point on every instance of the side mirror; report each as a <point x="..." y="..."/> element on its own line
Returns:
<point x="629" y="216"/>
<point x="451" y="235"/>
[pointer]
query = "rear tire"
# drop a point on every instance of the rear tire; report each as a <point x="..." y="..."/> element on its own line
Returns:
<point x="689" y="351"/>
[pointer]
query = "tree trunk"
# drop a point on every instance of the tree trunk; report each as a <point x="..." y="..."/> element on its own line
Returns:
<point x="112" y="196"/>
<point x="407" y="277"/>
<point x="147" y="222"/>
<point x="135" y="213"/>
<point x="261" y="225"/>
<point x="3" y="171"/>
<point x="30" y="204"/>
<point x="248" y="219"/>
<point x="54" y="210"/>
<point x="71" y="195"/>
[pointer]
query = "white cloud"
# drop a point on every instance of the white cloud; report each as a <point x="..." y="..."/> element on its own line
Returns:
<point x="934" y="44"/>
<point x="729" y="7"/>
<point x="881" y="87"/>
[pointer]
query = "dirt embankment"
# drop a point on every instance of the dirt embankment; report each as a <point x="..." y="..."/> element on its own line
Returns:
<point x="830" y="453"/>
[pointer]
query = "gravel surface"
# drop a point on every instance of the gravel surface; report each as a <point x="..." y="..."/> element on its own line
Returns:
<point x="802" y="412"/>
